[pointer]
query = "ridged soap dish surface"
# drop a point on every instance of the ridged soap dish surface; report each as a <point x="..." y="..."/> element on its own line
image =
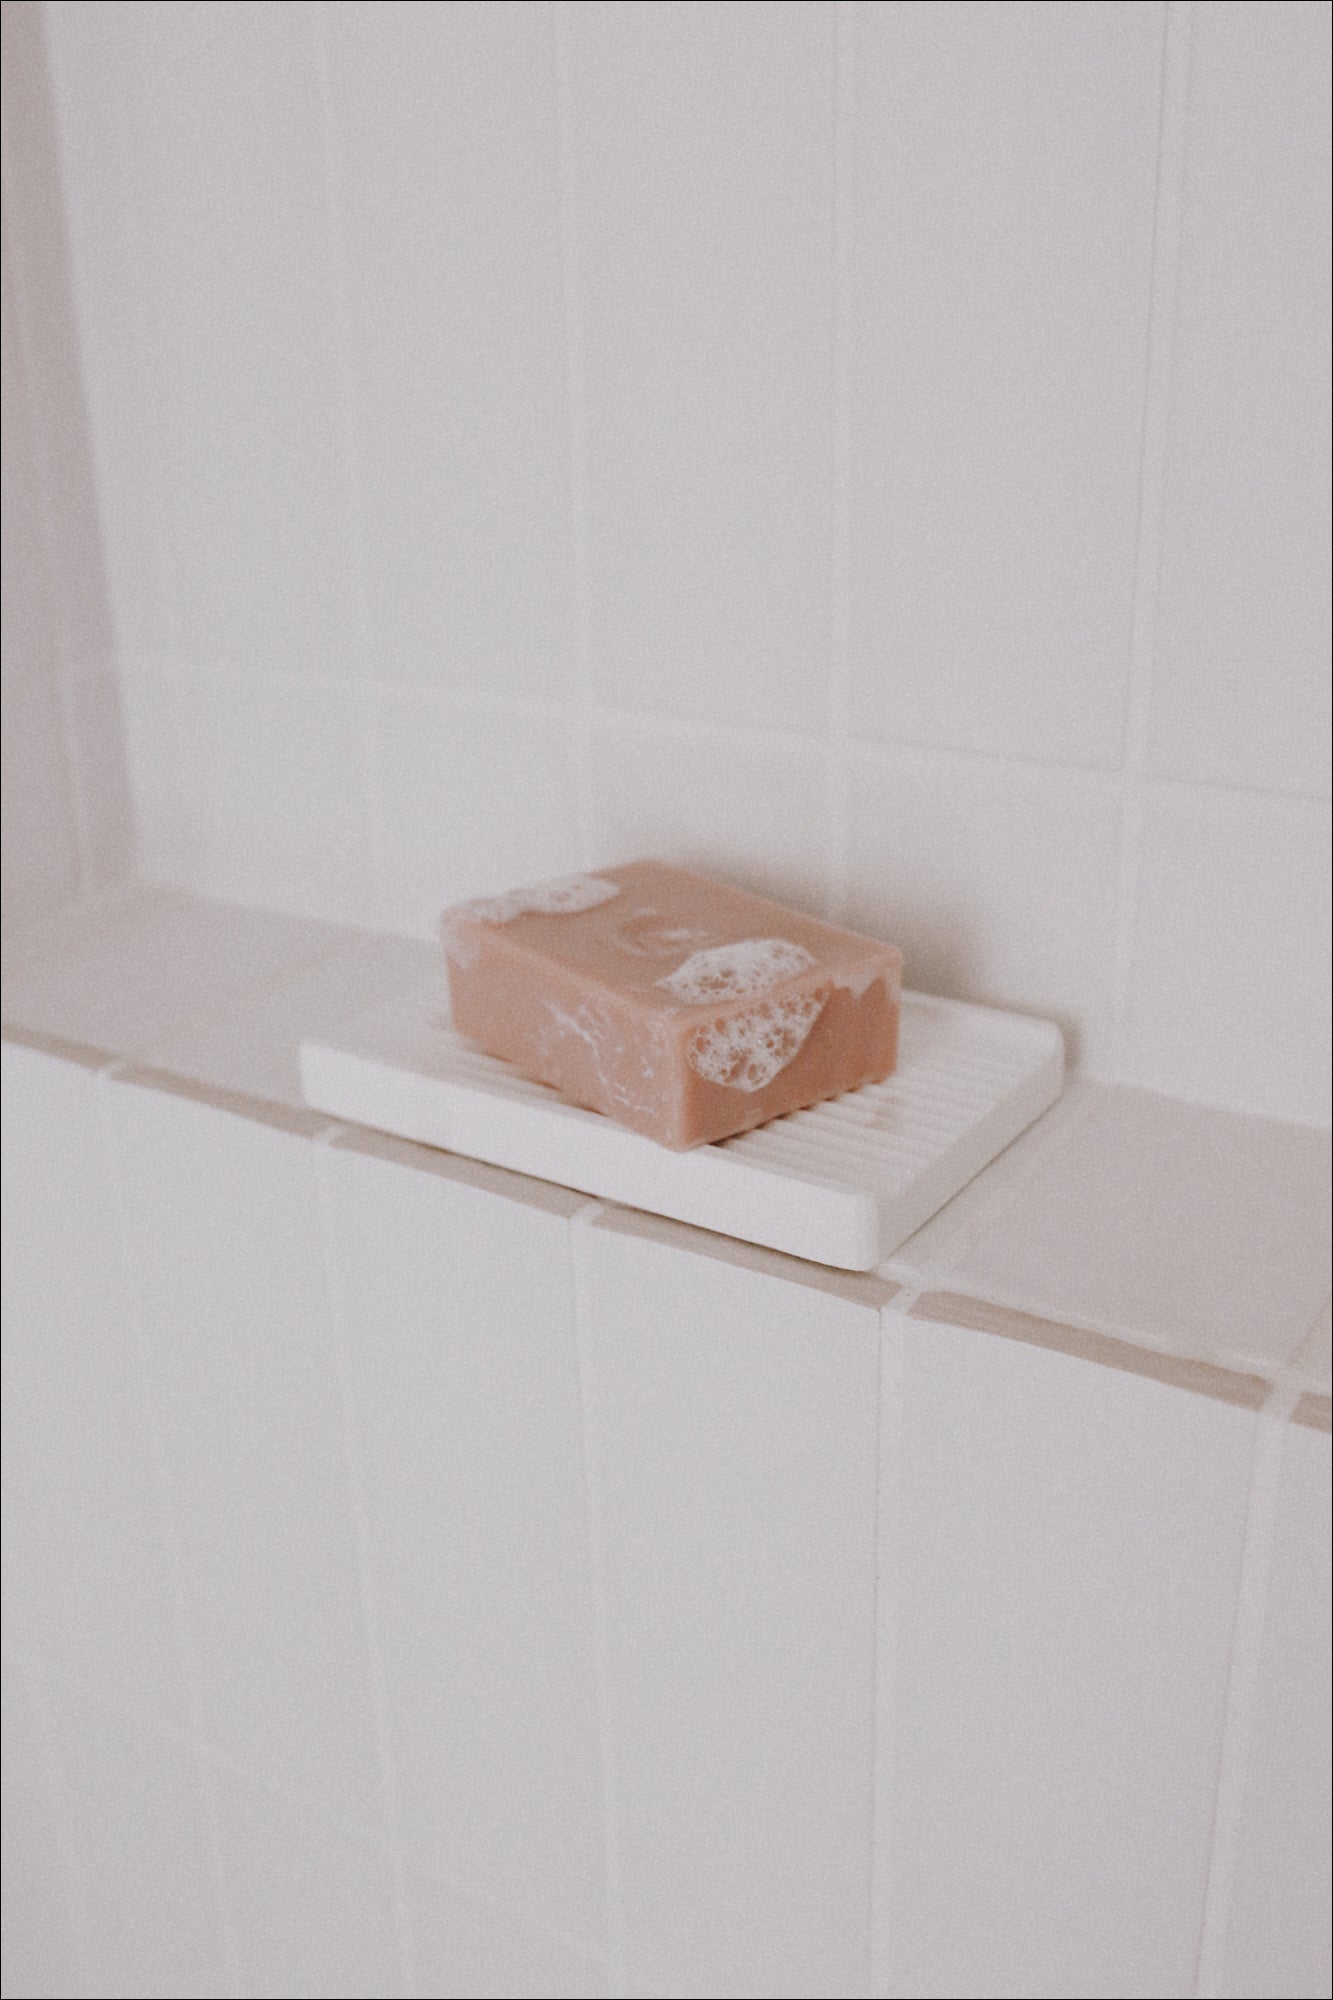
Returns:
<point x="844" y="1183"/>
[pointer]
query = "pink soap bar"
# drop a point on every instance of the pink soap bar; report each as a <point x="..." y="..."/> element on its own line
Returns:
<point x="686" y="1009"/>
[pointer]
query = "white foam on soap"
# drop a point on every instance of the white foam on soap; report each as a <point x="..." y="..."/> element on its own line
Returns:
<point x="736" y="971"/>
<point x="747" y="1050"/>
<point x="564" y="896"/>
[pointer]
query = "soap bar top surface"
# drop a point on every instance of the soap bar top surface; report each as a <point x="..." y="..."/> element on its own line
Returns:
<point x="687" y="1009"/>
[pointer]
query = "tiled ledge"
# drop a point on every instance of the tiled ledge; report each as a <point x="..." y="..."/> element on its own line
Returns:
<point x="1179" y="1242"/>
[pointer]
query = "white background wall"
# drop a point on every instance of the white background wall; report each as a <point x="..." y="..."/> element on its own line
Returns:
<point x="875" y="450"/>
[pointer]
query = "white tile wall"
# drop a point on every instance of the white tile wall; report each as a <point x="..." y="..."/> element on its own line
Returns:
<point x="37" y="1917"/>
<point x="134" y="1814"/>
<point x="471" y="800"/>
<point x="67" y="810"/>
<point x="999" y="885"/>
<point x="228" y="1266"/>
<point x="255" y="784"/>
<point x="458" y="1327"/>
<point x="1062" y="1638"/>
<point x="237" y="317"/>
<point x="582" y="1604"/>
<point x="312" y="1907"/>
<point x="733" y="1434"/>
<point x="1001" y="334"/>
<point x="448" y="185"/>
<point x="1242" y="685"/>
<point x="89" y="1581"/>
<point x="1228" y="997"/>
<point x="947" y="377"/>
<point x="467" y="1949"/>
<point x="1279" y="1936"/>
<point x="703" y="148"/>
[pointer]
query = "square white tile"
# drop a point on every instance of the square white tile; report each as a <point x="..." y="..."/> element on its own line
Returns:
<point x="241" y="384"/>
<point x="703" y="144"/>
<point x="145" y="1896"/>
<point x="749" y="810"/>
<point x="998" y="882"/>
<point x="311" y="1907"/>
<point x="253" y="787"/>
<point x="1005" y="179"/>
<point x="733" y="1423"/>
<point x="229" y="1262"/>
<point x="1177" y="1227"/>
<point x="1065" y="1560"/>
<point x="446" y="136"/>
<point x="1240" y="683"/>
<point x="467" y="1949"/>
<point x="86" y="1556"/>
<point x="457" y="1314"/>
<point x="471" y="802"/>
<point x="1278" y="1939"/>
<point x="1229" y="998"/>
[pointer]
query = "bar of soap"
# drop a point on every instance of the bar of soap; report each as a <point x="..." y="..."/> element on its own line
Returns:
<point x="684" y="1008"/>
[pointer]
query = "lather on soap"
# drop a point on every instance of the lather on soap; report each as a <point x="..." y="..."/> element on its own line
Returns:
<point x="684" y="1008"/>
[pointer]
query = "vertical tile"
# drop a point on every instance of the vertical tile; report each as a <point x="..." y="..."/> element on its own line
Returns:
<point x="704" y="147"/>
<point x="457" y="1314"/>
<point x="1279" y="1940"/>
<point x="36" y="1916"/>
<point x="89" y="1570"/>
<point x="751" y="811"/>
<point x="1068" y="1552"/>
<point x="999" y="883"/>
<point x="1005" y="175"/>
<point x="470" y="803"/>
<point x="1229" y="996"/>
<point x="40" y="850"/>
<point x="147" y="1909"/>
<point x="466" y="1949"/>
<point x="311" y="1907"/>
<point x="1241" y="681"/>
<point x="230" y="205"/>
<point x="734" y="1420"/>
<point x="447" y="170"/>
<point x="251" y="787"/>
<point x="223" y="1220"/>
<point x="90" y="50"/>
<point x="35" y="229"/>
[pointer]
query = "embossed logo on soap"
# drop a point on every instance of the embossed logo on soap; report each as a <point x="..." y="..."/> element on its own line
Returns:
<point x="647" y="934"/>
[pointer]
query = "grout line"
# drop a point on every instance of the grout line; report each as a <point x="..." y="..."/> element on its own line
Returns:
<point x="576" y="403"/>
<point x="350" y="439"/>
<point x="1172" y="136"/>
<point x="161" y="1484"/>
<point x="888" y="1532"/>
<point x="1271" y="1425"/>
<point x="360" y="1516"/>
<point x="617" y="1955"/>
<point x="837" y="775"/>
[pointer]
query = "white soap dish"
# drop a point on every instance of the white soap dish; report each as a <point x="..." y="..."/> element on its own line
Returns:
<point x="844" y="1183"/>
